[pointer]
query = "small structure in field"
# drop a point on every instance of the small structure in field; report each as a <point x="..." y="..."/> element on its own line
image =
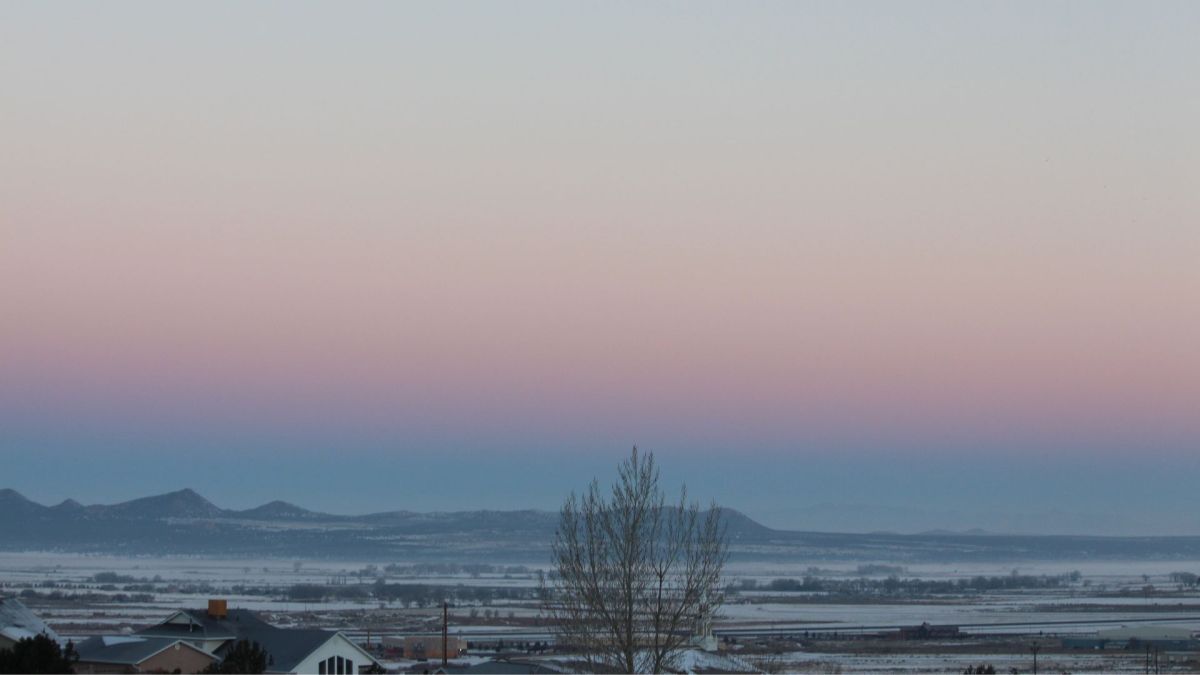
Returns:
<point x="927" y="631"/>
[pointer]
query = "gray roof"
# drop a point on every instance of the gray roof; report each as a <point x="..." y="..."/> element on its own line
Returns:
<point x="17" y="621"/>
<point x="285" y="647"/>
<point x="203" y="627"/>
<point x="126" y="649"/>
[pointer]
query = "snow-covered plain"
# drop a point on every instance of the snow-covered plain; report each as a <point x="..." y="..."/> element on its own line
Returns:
<point x="1106" y="592"/>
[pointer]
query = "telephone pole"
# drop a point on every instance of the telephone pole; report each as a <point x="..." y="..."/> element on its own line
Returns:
<point x="445" y="632"/>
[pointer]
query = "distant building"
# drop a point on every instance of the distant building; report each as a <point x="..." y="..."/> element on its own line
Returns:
<point x="17" y="622"/>
<point x="927" y="631"/>
<point x="135" y="654"/>
<point x="289" y="650"/>
<point x="430" y="646"/>
<point x="1166" y="638"/>
<point x="702" y="632"/>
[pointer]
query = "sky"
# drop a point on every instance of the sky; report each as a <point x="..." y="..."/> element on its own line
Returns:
<point x="840" y="265"/>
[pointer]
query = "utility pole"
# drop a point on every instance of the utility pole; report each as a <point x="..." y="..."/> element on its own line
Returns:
<point x="445" y="632"/>
<point x="1035" y="648"/>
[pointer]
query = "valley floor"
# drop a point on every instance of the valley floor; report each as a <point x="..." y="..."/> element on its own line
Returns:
<point x="768" y="624"/>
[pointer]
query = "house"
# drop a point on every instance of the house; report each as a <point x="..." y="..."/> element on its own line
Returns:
<point x="18" y="622"/>
<point x="136" y="654"/>
<point x="289" y="650"/>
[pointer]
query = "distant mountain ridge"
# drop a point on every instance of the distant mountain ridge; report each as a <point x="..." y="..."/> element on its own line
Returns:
<point x="183" y="522"/>
<point x="279" y="509"/>
<point x="13" y="503"/>
<point x="187" y="503"/>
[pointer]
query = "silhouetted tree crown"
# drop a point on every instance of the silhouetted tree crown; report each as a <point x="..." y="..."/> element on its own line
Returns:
<point x="243" y="657"/>
<point x="38" y="654"/>
<point x="636" y="577"/>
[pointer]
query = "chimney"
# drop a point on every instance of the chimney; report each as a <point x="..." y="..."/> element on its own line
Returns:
<point x="217" y="609"/>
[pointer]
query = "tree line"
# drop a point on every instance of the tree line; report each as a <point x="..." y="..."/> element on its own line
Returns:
<point x="894" y="585"/>
<point x="418" y="595"/>
<point x="38" y="654"/>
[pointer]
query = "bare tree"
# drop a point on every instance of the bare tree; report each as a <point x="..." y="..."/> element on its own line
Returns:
<point x="635" y="577"/>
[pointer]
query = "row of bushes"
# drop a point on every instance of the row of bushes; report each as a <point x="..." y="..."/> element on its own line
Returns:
<point x="894" y="585"/>
<point x="86" y="596"/>
<point x="421" y="595"/>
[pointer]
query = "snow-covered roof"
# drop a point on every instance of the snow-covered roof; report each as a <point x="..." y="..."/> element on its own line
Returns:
<point x="110" y="640"/>
<point x="696" y="661"/>
<point x="15" y="634"/>
<point x="17" y="621"/>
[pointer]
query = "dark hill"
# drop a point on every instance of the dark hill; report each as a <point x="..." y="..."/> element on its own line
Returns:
<point x="186" y="503"/>
<point x="16" y="504"/>
<point x="280" y="510"/>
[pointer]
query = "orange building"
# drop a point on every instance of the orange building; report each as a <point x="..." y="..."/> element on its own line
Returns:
<point x="430" y="647"/>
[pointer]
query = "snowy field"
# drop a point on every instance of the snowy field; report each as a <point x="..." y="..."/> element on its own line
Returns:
<point x="1107" y="590"/>
<point x="84" y="594"/>
<point x="957" y="663"/>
